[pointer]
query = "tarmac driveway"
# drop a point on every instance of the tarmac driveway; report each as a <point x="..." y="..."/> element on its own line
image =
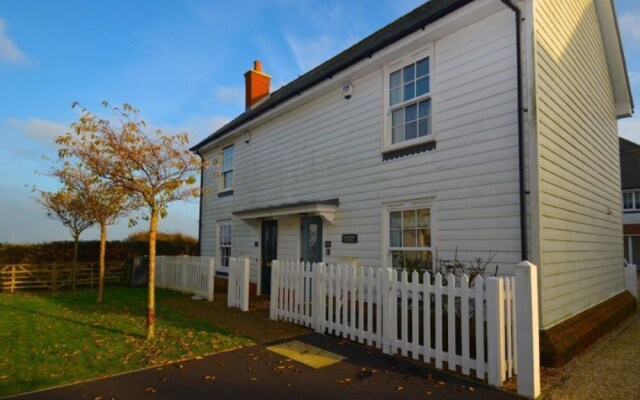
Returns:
<point x="257" y="373"/>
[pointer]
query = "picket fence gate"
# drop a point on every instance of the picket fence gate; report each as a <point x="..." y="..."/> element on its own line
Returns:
<point x="434" y="318"/>
<point x="238" y="284"/>
<point x="186" y="274"/>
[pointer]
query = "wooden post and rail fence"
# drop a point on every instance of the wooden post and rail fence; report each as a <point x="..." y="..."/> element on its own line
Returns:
<point x="53" y="277"/>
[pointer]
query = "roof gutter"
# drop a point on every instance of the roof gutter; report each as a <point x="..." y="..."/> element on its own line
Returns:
<point x="524" y="247"/>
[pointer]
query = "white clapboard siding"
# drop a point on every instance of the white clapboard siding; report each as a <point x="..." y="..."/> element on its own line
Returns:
<point x="186" y="274"/>
<point x="331" y="148"/>
<point x="405" y="313"/>
<point x="579" y="169"/>
<point x="238" y="285"/>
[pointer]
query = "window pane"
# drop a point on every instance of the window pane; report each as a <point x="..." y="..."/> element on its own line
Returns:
<point x="424" y="127"/>
<point x="424" y="238"/>
<point x="409" y="219"/>
<point x="409" y="238"/>
<point x="394" y="97"/>
<point x="637" y="204"/>
<point x="422" y="86"/>
<point x="397" y="259"/>
<point x="409" y="73"/>
<point x="410" y="131"/>
<point x="396" y="238"/>
<point x="424" y="109"/>
<point x="628" y="200"/>
<point x="424" y="218"/>
<point x="395" y="79"/>
<point x="397" y="117"/>
<point x="409" y="91"/>
<point x="396" y="219"/>
<point x="397" y="135"/>
<point x="228" y="179"/>
<point x="411" y="113"/>
<point x="422" y="67"/>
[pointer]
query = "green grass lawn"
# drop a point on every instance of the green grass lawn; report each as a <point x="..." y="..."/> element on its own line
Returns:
<point x="49" y="339"/>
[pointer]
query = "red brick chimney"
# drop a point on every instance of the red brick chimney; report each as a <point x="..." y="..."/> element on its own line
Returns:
<point x="256" y="84"/>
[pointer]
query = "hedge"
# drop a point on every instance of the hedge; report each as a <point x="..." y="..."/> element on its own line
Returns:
<point x="61" y="252"/>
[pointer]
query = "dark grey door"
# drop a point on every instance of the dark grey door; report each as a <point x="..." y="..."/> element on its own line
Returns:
<point x="312" y="239"/>
<point x="269" y="253"/>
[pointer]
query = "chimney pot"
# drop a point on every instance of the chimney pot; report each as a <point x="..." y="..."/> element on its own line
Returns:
<point x="257" y="66"/>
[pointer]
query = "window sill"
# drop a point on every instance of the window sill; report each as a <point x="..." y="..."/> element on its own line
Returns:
<point x="226" y="193"/>
<point x="631" y="211"/>
<point x="408" y="150"/>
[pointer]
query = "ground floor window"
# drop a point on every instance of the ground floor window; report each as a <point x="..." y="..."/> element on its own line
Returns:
<point x="632" y="249"/>
<point x="410" y="241"/>
<point x="224" y="245"/>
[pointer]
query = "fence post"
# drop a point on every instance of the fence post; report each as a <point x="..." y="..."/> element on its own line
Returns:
<point x="273" y="303"/>
<point x="13" y="278"/>
<point x="232" y="281"/>
<point x="211" y="279"/>
<point x="631" y="279"/>
<point x="318" y="298"/>
<point x="495" y="331"/>
<point x="244" y="288"/>
<point x="527" y="324"/>
<point x="387" y="314"/>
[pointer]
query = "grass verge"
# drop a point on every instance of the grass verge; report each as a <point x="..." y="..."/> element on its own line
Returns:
<point x="48" y="339"/>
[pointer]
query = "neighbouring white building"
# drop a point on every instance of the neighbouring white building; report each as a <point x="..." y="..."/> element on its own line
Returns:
<point x="480" y="126"/>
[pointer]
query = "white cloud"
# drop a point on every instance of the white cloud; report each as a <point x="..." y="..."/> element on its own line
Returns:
<point x="230" y="94"/>
<point x="630" y="24"/>
<point x="40" y="130"/>
<point x="629" y="128"/>
<point x="311" y="52"/>
<point x="9" y="52"/>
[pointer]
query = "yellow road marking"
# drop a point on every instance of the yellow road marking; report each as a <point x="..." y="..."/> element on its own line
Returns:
<point x="306" y="354"/>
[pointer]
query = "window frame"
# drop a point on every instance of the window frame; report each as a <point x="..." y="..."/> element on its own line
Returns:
<point x="223" y="171"/>
<point x="635" y="200"/>
<point x="413" y="58"/>
<point x="220" y="268"/>
<point x="387" y="209"/>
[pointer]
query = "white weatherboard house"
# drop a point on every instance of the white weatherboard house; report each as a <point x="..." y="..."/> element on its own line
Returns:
<point x="481" y="126"/>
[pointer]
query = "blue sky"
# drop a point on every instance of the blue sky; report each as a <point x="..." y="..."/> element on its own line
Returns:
<point x="181" y="62"/>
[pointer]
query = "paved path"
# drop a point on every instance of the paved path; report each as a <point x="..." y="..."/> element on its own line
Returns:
<point x="256" y="373"/>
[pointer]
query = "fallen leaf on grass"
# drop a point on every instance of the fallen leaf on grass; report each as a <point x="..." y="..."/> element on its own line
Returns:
<point x="199" y="358"/>
<point x="209" y="378"/>
<point x="150" y="390"/>
<point x="471" y="389"/>
<point x="345" y="380"/>
<point x="399" y="388"/>
<point x="98" y="398"/>
<point x="254" y="379"/>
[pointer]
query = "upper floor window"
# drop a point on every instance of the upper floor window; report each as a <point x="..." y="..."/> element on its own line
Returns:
<point x="631" y="201"/>
<point x="227" y="168"/>
<point x="409" y="102"/>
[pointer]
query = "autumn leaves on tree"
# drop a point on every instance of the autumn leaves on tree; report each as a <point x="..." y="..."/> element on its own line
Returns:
<point x="114" y="165"/>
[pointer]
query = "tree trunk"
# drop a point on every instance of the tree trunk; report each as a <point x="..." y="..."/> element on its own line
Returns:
<point x="74" y="263"/>
<point x="103" y="248"/>
<point x="151" y="310"/>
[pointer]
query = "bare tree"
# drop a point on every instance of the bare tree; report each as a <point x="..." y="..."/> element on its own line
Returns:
<point x="102" y="202"/>
<point x="67" y="207"/>
<point x="155" y="169"/>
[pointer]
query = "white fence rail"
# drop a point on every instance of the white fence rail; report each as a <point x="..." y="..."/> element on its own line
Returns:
<point x="187" y="274"/>
<point x="238" y="292"/>
<point x="434" y="318"/>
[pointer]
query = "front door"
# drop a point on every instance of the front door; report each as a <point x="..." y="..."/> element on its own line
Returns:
<point x="312" y="239"/>
<point x="269" y="253"/>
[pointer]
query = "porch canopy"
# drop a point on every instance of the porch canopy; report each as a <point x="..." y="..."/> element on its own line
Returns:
<point x="324" y="208"/>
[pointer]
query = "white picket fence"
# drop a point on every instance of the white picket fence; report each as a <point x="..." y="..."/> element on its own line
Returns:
<point x="187" y="274"/>
<point x="238" y="289"/>
<point x="468" y="328"/>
